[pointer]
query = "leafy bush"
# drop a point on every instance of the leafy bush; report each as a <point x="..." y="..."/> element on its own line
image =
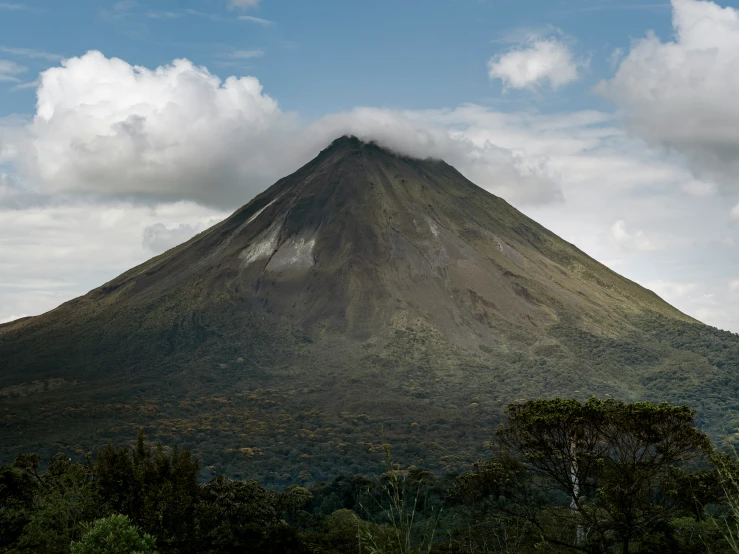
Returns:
<point x="114" y="534"/>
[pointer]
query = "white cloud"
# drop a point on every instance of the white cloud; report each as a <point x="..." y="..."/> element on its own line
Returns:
<point x="735" y="212"/>
<point x="255" y="19"/>
<point x="682" y="94"/>
<point x="29" y="84"/>
<point x="615" y="57"/>
<point x="671" y="291"/>
<point x="638" y="241"/>
<point x="12" y="194"/>
<point x="8" y="184"/>
<point x="12" y="317"/>
<point x="529" y="67"/>
<point x="9" y="71"/>
<point x="30" y="53"/>
<point x="108" y="129"/>
<point x="243" y="4"/>
<point x="516" y="177"/>
<point x="709" y="303"/>
<point x="52" y="253"/>
<point x="698" y="188"/>
<point x="104" y="127"/>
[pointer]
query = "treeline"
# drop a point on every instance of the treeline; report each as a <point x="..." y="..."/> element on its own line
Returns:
<point x="563" y="476"/>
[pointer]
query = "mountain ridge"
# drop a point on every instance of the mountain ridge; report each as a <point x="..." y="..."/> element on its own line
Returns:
<point x="384" y="286"/>
<point x="254" y="209"/>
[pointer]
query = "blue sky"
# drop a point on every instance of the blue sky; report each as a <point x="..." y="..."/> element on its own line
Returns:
<point x="612" y="122"/>
<point x="323" y="57"/>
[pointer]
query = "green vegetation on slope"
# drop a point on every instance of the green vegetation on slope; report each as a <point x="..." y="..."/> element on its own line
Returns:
<point x="311" y="421"/>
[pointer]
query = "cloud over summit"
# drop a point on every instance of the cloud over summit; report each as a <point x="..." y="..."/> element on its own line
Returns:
<point x="105" y="128"/>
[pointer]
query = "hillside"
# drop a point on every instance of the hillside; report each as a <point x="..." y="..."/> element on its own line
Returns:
<point x="365" y="294"/>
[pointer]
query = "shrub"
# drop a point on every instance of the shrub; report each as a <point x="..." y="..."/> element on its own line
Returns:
<point x="114" y="534"/>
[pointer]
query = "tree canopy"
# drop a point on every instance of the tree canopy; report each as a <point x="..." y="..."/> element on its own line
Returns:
<point x="599" y="476"/>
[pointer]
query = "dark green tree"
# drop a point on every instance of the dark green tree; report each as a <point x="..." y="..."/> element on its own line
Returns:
<point x="586" y="476"/>
<point x="64" y="498"/>
<point x="17" y="490"/>
<point x="609" y="469"/>
<point x="500" y="509"/>
<point x="243" y="516"/>
<point x="157" y="489"/>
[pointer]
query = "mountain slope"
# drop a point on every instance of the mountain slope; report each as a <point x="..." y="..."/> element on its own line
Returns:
<point x="366" y="289"/>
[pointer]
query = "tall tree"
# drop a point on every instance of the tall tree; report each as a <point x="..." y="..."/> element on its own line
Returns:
<point x="606" y="469"/>
<point x="157" y="488"/>
<point x="64" y="497"/>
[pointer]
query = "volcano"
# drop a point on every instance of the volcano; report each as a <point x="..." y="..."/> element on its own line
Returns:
<point x="367" y="297"/>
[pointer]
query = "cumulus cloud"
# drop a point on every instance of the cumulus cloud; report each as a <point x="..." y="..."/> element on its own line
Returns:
<point x="545" y="60"/>
<point x="681" y="93"/>
<point x="104" y="127"/>
<point x="108" y="129"/>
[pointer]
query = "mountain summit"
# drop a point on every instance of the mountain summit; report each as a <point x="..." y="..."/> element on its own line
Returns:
<point x="367" y="288"/>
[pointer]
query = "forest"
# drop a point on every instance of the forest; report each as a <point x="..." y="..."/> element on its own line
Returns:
<point x="560" y="475"/>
